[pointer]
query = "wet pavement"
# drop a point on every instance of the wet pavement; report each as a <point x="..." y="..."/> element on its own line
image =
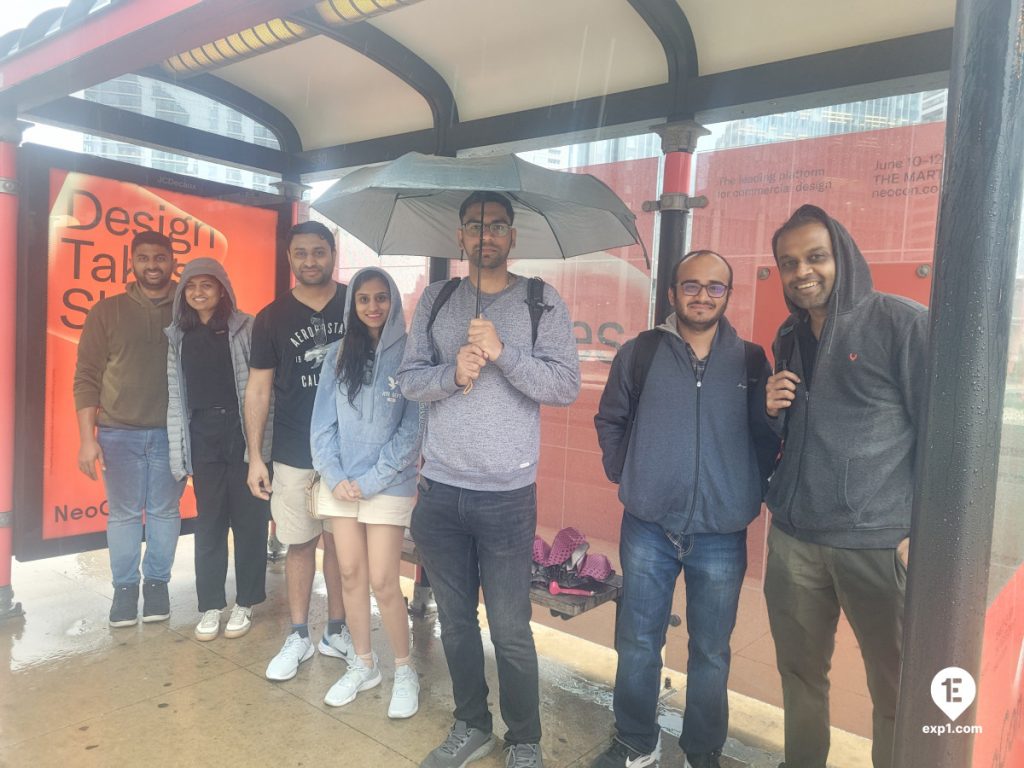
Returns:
<point x="74" y="692"/>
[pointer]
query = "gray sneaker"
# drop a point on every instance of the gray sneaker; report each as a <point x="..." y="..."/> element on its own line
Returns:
<point x="523" y="756"/>
<point x="339" y="646"/>
<point x="462" y="747"/>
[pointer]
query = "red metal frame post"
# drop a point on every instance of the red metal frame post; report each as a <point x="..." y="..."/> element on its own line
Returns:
<point x="10" y="137"/>
<point x="678" y="142"/>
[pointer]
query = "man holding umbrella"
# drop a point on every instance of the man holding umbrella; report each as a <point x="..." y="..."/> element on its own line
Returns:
<point x="484" y="371"/>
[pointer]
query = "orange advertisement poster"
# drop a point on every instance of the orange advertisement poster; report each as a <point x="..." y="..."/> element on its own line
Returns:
<point x="92" y="220"/>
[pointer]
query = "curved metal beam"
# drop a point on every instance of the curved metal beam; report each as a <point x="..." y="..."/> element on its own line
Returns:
<point x="121" y="125"/>
<point x="873" y="70"/>
<point x="399" y="61"/>
<point x="670" y="25"/>
<point x="238" y="99"/>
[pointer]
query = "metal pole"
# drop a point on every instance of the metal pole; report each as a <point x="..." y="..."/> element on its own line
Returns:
<point x="678" y="142"/>
<point x="10" y="137"/>
<point x="975" y="253"/>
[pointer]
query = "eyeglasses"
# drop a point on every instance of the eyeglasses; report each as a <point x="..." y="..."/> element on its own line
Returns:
<point x="692" y="288"/>
<point x="497" y="228"/>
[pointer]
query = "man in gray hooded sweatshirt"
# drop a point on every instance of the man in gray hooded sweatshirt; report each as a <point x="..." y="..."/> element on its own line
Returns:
<point x="850" y="384"/>
<point x="484" y="380"/>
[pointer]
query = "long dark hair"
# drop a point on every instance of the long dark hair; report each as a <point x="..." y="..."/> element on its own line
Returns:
<point x="189" y="319"/>
<point x="358" y="346"/>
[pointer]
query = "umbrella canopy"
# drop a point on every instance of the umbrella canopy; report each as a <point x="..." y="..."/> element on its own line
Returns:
<point x="409" y="207"/>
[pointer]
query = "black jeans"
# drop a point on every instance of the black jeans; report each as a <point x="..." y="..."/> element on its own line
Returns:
<point x="223" y="500"/>
<point x="470" y="540"/>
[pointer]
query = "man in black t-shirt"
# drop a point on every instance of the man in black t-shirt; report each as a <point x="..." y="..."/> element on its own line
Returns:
<point x="289" y="343"/>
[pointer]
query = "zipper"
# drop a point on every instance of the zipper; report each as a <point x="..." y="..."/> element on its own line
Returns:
<point x="696" y="467"/>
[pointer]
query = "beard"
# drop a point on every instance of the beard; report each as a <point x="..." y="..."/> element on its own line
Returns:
<point x="495" y="261"/>
<point x="313" y="282"/>
<point x="704" y="324"/>
<point x="152" y="283"/>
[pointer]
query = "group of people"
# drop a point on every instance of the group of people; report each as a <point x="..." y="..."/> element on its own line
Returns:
<point x="326" y="415"/>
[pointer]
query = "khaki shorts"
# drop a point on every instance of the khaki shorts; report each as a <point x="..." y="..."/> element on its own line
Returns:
<point x="294" y="524"/>
<point x="378" y="510"/>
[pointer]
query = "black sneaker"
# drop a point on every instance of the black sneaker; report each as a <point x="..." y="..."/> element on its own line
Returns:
<point x="156" y="604"/>
<point x="124" y="612"/>
<point x="621" y="755"/>
<point x="703" y="760"/>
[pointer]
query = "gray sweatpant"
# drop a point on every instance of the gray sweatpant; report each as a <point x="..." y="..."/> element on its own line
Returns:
<point x="805" y="587"/>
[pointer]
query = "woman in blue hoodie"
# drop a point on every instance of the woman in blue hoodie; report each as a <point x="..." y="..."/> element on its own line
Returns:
<point x="207" y="369"/>
<point x="365" y="439"/>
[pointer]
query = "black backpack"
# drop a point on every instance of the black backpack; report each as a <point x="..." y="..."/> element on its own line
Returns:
<point x="534" y="300"/>
<point x="766" y="443"/>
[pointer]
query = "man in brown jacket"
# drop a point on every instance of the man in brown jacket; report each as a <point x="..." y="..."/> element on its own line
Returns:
<point x="121" y="399"/>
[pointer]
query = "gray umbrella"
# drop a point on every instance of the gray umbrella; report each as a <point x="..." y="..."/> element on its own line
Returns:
<point x="409" y="207"/>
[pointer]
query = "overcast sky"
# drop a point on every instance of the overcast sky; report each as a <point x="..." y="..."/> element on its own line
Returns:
<point x="18" y="13"/>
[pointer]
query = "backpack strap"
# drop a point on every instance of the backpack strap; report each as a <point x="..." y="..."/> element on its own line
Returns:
<point x="755" y="360"/>
<point x="766" y="443"/>
<point x="646" y="345"/>
<point x="442" y="298"/>
<point x="785" y="345"/>
<point x="535" y="302"/>
<point x="643" y="355"/>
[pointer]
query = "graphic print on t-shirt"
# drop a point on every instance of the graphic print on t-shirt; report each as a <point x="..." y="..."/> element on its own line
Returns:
<point x="321" y="332"/>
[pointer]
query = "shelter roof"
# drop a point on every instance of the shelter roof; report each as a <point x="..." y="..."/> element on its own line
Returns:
<point x="348" y="82"/>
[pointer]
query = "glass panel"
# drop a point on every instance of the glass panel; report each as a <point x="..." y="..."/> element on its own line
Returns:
<point x="146" y="96"/>
<point x="409" y="272"/>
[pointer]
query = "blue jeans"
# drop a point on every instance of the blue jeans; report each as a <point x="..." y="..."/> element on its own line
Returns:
<point x="470" y="540"/>
<point x="713" y="565"/>
<point x="138" y="477"/>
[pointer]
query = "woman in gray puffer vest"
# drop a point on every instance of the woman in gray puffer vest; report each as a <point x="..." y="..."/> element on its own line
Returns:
<point x="207" y="370"/>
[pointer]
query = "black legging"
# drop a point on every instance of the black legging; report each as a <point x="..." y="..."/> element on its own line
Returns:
<point x="223" y="500"/>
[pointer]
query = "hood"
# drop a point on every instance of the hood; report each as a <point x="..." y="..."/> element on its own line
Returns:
<point x="853" y="278"/>
<point x="195" y="267"/>
<point x="394" y="327"/>
<point x="723" y="331"/>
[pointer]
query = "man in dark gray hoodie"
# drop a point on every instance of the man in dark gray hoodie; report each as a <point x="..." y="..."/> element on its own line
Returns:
<point x="690" y="485"/>
<point x="850" y="386"/>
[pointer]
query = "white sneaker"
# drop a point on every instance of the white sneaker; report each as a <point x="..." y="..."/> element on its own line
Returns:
<point x="209" y="626"/>
<point x="359" y="677"/>
<point x="240" y="621"/>
<point x="339" y="646"/>
<point x="405" y="694"/>
<point x="296" y="649"/>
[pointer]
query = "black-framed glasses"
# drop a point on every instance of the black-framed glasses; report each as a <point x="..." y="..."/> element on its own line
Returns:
<point x="497" y="228"/>
<point x="693" y="288"/>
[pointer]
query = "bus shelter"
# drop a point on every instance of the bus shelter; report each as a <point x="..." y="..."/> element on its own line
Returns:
<point x="339" y="84"/>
